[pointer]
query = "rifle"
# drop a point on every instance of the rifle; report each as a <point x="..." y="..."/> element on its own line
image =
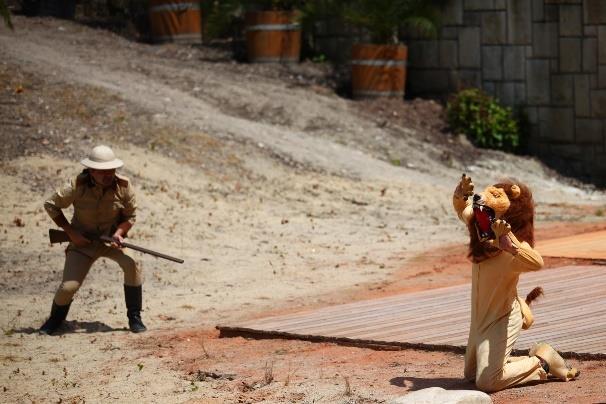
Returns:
<point x="59" y="236"/>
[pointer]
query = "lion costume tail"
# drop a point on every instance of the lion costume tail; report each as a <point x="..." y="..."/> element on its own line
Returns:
<point x="527" y="316"/>
<point x="534" y="294"/>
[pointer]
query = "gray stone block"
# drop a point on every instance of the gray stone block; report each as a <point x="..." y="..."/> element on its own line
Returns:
<point x="562" y="89"/>
<point x="452" y="12"/>
<point x="519" y="20"/>
<point x="424" y="54"/>
<point x="490" y="87"/>
<point x="500" y="4"/>
<point x="602" y="45"/>
<point x="571" y="23"/>
<point x="449" y="55"/>
<point x="423" y="81"/>
<point x="554" y="66"/>
<point x="532" y="114"/>
<point x="538" y="12"/>
<point x="509" y="93"/>
<point x="590" y="55"/>
<point x="467" y="78"/>
<point x="472" y="18"/>
<point x="575" y="159"/>
<point x="598" y="103"/>
<point x="538" y="81"/>
<point x="551" y="13"/>
<point x="595" y="12"/>
<point x="589" y="131"/>
<point x="599" y="168"/>
<point x="494" y="28"/>
<point x="438" y="395"/>
<point x="492" y="63"/>
<point x="590" y="30"/>
<point x="476" y="5"/>
<point x="582" y="95"/>
<point x="454" y="80"/>
<point x="602" y="77"/>
<point x="449" y="33"/>
<point x="519" y="92"/>
<point x="545" y="40"/>
<point x="514" y="62"/>
<point x="570" y="55"/>
<point x="469" y="47"/>
<point x="528" y="52"/>
<point x="557" y="124"/>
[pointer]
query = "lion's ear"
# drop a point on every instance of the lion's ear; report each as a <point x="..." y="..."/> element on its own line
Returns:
<point x="515" y="191"/>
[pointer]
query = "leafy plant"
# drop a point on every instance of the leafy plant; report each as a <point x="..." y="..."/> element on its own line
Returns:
<point x="5" y="14"/>
<point x="274" y="4"/>
<point x="313" y="11"/>
<point x="485" y="122"/>
<point x="221" y="15"/>
<point x="384" y="18"/>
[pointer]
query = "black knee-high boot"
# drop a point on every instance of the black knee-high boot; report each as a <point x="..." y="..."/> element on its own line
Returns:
<point x="57" y="316"/>
<point x="134" y="300"/>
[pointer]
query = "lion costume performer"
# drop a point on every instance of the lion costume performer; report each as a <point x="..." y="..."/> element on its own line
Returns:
<point x="501" y="228"/>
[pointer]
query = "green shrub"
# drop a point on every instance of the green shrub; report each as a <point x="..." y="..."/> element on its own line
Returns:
<point x="486" y="123"/>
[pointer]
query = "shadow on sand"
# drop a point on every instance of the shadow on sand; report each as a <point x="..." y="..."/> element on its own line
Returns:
<point x="70" y="327"/>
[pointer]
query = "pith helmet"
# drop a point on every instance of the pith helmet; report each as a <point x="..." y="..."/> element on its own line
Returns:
<point x="102" y="158"/>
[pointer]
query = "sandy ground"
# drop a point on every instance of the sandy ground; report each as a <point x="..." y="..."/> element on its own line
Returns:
<point x="278" y="194"/>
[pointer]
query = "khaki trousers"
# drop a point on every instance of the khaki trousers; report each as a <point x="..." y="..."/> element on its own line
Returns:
<point x="488" y="358"/>
<point x="78" y="262"/>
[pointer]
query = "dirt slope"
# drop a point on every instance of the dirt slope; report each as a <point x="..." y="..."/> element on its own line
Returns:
<point x="276" y="192"/>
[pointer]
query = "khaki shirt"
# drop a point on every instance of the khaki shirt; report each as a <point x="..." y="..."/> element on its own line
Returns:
<point x="97" y="210"/>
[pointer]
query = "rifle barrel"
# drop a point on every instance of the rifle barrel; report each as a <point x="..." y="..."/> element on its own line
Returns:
<point x="144" y="250"/>
<point x="60" y="236"/>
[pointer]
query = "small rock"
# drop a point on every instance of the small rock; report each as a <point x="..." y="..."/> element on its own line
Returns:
<point x="437" y="395"/>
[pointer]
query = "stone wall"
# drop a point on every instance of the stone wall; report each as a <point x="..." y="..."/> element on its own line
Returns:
<point x="547" y="57"/>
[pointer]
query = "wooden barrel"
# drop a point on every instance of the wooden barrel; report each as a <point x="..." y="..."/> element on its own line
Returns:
<point x="272" y="36"/>
<point x="175" y="21"/>
<point x="378" y="70"/>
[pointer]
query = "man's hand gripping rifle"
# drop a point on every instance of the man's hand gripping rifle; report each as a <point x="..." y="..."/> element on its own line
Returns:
<point x="59" y="236"/>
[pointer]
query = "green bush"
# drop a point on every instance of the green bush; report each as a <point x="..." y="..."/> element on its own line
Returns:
<point x="486" y="123"/>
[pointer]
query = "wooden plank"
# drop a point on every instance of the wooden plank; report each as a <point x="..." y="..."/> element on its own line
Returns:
<point x="572" y="316"/>
<point x="588" y="245"/>
<point x="419" y="315"/>
<point x="364" y="311"/>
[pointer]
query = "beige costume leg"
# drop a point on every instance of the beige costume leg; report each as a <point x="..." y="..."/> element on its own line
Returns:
<point x="495" y="371"/>
<point x="470" y="359"/>
<point x="132" y="272"/>
<point x="75" y="270"/>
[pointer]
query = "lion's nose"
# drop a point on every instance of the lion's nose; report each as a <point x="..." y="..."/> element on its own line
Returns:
<point x="476" y="197"/>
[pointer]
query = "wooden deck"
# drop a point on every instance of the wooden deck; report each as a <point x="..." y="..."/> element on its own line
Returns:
<point x="571" y="316"/>
<point x="588" y="246"/>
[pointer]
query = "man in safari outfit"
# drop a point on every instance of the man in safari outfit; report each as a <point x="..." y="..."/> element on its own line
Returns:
<point x="104" y="204"/>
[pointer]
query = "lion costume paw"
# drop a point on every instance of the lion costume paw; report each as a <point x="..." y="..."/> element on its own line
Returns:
<point x="557" y="365"/>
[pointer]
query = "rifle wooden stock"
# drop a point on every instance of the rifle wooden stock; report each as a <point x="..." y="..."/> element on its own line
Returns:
<point x="59" y="236"/>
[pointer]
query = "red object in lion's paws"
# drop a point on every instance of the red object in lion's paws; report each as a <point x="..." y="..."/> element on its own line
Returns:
<point x="484" y="217"/>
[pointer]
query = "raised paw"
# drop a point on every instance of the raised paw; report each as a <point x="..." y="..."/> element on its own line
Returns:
<point x="465" y="187"/>
<point x="500" y="228"/>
